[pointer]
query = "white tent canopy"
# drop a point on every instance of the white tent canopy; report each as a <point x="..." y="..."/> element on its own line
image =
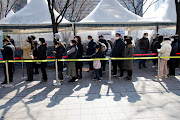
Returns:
<point x="34" y="13"/>
<point x="109" y="11"/>
<point x="11" y="12"/>
<point x="165" y="13"/>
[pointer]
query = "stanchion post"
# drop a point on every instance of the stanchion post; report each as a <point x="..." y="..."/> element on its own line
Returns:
<point x="158" y="74"/>
<point x="57" y="83"/>
<point x="110" y="78"/>
<point x="23" y="71"/>
<point x="7" y="75"/>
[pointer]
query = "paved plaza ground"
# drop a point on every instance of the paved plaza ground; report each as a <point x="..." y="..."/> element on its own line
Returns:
<point x="141" y="99"/>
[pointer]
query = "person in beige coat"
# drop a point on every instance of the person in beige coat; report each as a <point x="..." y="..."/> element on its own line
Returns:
<point x="27" y="47"/>
<point x="165" y="51"/>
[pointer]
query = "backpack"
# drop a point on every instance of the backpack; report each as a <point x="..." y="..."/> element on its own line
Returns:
<point x="103" y="47"/>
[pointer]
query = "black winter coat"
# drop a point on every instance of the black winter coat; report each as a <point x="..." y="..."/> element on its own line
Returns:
<point x="60" y="52"/>
<point x="42" y="52"/>
<point x="118" y="48"/>
<point x="144" y="44"/>
<point x="35" y="51"/>
<point x="79" y="55"/>
<point x="8" y="52"/>
<point x="91" y="47"/>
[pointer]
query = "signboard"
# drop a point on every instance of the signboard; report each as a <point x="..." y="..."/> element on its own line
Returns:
<point x="121" y="31"/>
<point x="107" y="34"/>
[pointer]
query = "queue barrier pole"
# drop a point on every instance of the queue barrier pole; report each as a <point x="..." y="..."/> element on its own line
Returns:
<point x="23" y="71"/>
<point x="7" y="75"/>
<point x="57" y="83"/>
<point x="158" y="74"/>
<point x="110" y="78"/>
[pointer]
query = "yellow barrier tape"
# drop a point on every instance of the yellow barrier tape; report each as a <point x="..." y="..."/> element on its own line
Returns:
<point x="85" y="60"/>
<point x="52" y="60"/>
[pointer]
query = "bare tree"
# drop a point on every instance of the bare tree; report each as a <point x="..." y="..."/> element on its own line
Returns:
<point x="138" y="5"/>
<point x="178" y="16"/>
<point x="56" y="21"/>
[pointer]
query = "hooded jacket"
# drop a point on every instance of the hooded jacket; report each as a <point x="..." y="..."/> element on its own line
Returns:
<point x="165" y="50"/>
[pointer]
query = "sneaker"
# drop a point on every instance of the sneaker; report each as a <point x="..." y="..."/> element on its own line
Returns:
<point x="169" y="75"/>
<point x="140" y="67"/>
<point x="98" y="79"/>
<point x="57" y="84"/>
<point x="71" y="80"/>
<point x="153" y="66"/>
<point x="3" y="83"/>
<point x="94" y="79"/>
<point x="128" y="78"/>
<point x="43" y="81"/>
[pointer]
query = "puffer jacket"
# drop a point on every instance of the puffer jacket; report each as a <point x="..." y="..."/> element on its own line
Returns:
<point x="27" y="51"/>
<point x="165" y="50"/>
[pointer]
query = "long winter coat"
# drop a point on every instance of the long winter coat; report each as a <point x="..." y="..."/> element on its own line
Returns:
<point x="165" y="50"/>
<point x="128" y="52"/>
<point x="8" y="52"/>
<point x="71" y="66"/>
<point x="118" y="48"/>
<point x="79" y="55"/>
<point x="27" y="51"/>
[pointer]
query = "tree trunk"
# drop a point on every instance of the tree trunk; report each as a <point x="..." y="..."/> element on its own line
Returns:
<point x="178" y="17"/>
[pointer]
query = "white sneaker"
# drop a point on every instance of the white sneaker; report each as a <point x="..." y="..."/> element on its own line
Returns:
<point x="153" y="66"/>
<point x="57" y="84"/>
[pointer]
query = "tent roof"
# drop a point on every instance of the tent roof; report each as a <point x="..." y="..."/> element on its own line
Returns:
<point x="36" y="12"/>
<point x="11" y="12"/>
<point x="165" y="13"/>
<point x="111" y="11"/>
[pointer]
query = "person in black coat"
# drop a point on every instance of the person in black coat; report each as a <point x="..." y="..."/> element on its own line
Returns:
<point x="103" y="63"/>
<point x="154" y="47"/>
<point x="79" y="56"/>
<point x="144" y="47"/>
<point x="117" y="51"/>
<point x="42" y="55"/>
<point x="13" y="43"/>
<point x="90" y="51"/>
<point x="59" y="52"/>
<point x="8" y="54"/>
<point x="172" y="62"/>
<point x="35" y="54"/>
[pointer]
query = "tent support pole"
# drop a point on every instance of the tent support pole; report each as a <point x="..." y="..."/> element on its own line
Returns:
<point x="157" y="29"/>
<point x="74" y="29"/>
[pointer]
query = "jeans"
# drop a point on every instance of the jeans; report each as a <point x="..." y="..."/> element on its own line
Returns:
<point x="97" y="73"/>
<point x="143" y="62"/>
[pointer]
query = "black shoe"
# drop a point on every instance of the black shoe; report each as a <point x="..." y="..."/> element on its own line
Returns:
<point x="140" y="67"/>
<point x="36" y="73"/>
<point x="144" y="67"/>
<point x="3" y="83"/>
<point x="94" y="79"/>
<point x="113" y="74"/>
<point x="128" y="78"/>
<point x="29" y="80"/>
<point x="71" y="80"/>
<point x="98" y="79"/>
<point x="43" y="81"/>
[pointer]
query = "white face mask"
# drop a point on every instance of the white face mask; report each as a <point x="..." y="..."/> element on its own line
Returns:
<point x="172" y="39"/>
<point x="39" y="42"/>
<point x="71" y="44"/>
<point x="56" y="46"/>
<point x="117" y="38"/>
<point x="125" y="42"/>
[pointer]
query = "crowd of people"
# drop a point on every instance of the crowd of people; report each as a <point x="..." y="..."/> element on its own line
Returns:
<point x="122" y="47"/>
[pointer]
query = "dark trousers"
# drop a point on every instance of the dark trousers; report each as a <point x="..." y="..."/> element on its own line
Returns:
<point x="35" y="66"/>
<point x="10" y="71"/>
<point x="96" y="73"/>
<point x="60" y="70"/>
<point x="103" y="64"/>
<point x="29" y="71"/>
<point x="143" y="62"/>
<point x="155" y="61"/>
<point x="116" y="64"/>
<point x="77" y="72"/>
<point x="91" y="65"/>
<point x="129" y="73"/>
<point x="43" y="70"/>
<point x="171" y="64"/>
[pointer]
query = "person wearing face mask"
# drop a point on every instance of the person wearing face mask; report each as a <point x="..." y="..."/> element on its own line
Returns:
<point x="28" y="47"/>
<point x="128" y="64"/>
<point x="103" y="63"/>
<point x="144" y="47"/>
<point x="117" y="51"/>
<point x="59" y="52"/>
<point x="165" y="51"/>
<point x="172" y="62"/>
<point x="8" y="54"/>
<point x="42" y="55"/>
<point x="71" y="66"/>
<point x="35" y="54"/>
<point x="90" y="51"/>
<point x="79" y="64"/>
